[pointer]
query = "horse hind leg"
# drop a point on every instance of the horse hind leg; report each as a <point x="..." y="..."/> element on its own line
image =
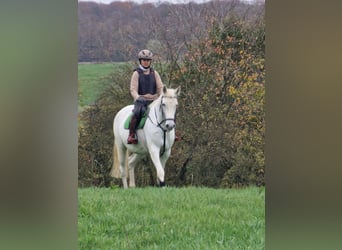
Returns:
<point x="133" y="159"/>
<point x="119" y="164"/>
<point x="115" y="171"/>
<point x="131" y="166"/>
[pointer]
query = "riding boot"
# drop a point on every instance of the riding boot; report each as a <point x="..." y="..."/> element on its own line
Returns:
<point x="177" y="136"/>
<point x="132" y="137"/>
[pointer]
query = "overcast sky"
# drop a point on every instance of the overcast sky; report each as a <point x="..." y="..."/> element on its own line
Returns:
<point x="151" y="1"/>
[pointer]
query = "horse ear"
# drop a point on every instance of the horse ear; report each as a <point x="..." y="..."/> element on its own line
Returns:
<point x="178" y="90"/>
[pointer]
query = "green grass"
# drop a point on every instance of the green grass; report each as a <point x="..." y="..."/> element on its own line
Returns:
<point x="171" y="218"/>
<point x="92" y="77"/>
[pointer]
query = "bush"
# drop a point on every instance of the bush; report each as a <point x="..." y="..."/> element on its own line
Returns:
<point x="223" y="114"/>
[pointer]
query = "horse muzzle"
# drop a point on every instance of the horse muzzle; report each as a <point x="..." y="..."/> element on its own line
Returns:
<point x="170" y="124"/>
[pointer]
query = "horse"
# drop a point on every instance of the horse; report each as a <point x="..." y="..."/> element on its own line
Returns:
<point x="155" y="139"/>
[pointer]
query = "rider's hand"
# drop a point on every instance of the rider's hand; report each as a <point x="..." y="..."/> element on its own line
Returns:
<point x="149" y="97"/>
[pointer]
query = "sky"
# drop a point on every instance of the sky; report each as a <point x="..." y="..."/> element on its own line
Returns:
<point x="151" y="1"/>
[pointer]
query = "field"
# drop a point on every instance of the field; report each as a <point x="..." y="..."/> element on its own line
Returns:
<point x="91" y="79"/>
<point x="171" y="218"/>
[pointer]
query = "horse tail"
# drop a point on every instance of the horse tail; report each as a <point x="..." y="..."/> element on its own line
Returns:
<point x="115" y="171"/>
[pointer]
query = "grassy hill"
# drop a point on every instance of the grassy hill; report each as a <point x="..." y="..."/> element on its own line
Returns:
<point x="92" y="77"/>
<point x="171" y="218"/>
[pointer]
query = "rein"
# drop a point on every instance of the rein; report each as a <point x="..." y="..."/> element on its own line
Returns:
<point x="159" y="124"/>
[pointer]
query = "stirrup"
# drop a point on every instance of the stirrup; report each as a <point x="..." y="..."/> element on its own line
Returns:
<point x="177" y="136"/>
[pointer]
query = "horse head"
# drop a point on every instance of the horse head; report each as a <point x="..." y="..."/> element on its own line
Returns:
<point x="168" y="105"/>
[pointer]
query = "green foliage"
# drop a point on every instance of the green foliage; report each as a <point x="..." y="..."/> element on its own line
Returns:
<point x="223" y="113"/>
<point x="171" y="218"/>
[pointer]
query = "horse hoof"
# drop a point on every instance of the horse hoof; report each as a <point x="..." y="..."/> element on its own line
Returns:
<point x="162" y="184"/>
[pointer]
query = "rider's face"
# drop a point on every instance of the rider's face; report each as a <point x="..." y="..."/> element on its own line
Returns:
<point x="145" y="62"/>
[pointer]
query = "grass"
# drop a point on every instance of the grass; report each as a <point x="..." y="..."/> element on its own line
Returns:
<point x="171" y="218"/>
<point x="92" y="77"/>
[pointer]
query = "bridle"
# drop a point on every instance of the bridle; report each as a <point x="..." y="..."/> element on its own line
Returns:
<point x="163" y="113"/>
<point x="160" y="124"/>
<point x="157" y="123"/>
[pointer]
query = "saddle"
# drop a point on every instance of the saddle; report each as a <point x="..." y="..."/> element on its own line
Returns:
<point x="141" y="123"/>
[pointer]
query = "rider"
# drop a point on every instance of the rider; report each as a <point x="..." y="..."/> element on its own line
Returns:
<point x="146" y="86"/>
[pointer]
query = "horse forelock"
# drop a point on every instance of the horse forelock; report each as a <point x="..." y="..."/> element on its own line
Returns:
<point x="171" y="99"/>
<point x="170" y="93"/>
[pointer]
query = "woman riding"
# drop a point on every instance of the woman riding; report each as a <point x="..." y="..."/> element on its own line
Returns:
<point x="146" y="86"/>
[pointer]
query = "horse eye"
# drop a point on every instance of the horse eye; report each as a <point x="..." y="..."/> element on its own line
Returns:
<point x="163" y="104"/>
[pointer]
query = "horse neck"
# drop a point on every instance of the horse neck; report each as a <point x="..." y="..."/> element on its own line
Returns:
<point x="155" y="108"/>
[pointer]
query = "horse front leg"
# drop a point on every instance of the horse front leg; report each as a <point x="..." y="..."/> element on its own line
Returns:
<point x="165" y="157"/>
<point x="154" y="153"/>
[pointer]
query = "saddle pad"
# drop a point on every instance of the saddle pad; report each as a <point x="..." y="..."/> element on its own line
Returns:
<point x="141" y="123"/>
